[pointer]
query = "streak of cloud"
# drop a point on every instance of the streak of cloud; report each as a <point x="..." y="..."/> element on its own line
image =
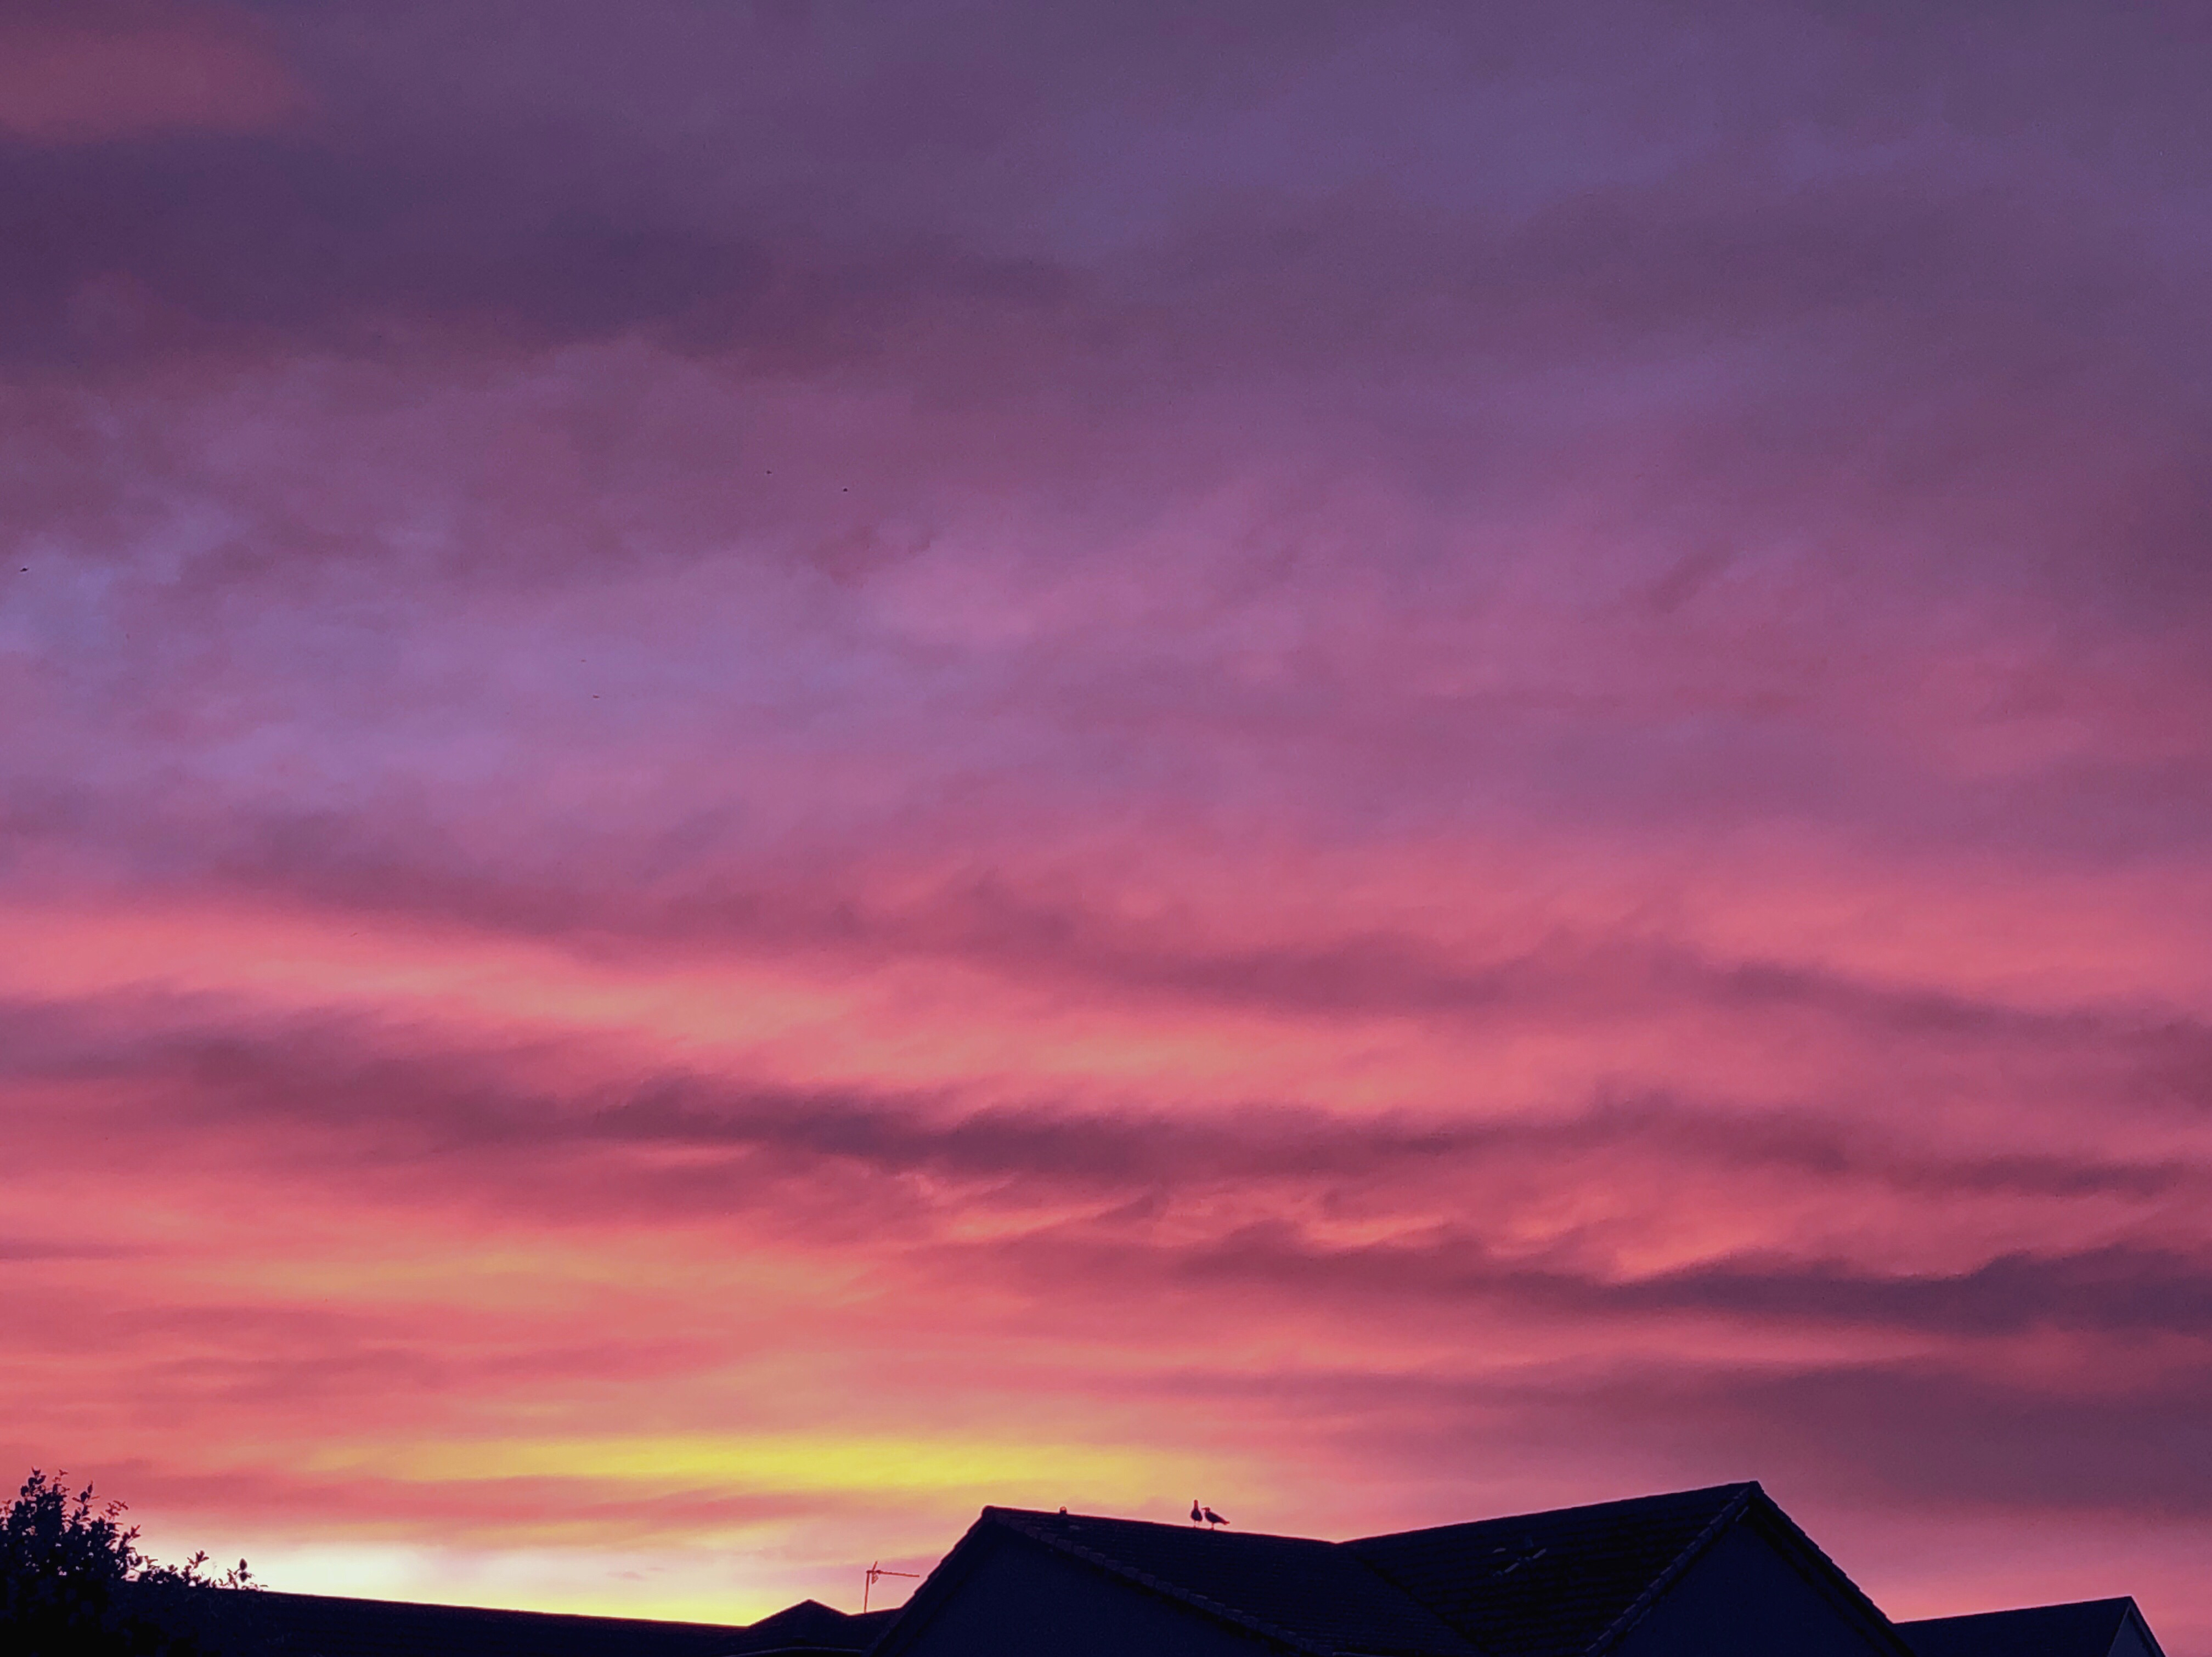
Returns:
<point x="763" y="771"/>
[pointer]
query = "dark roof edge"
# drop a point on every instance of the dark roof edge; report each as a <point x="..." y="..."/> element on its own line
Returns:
<point x="947" y="1574"/>
<point x="1752" y="1501"/>
<point x="569" y="1619"/>
<point x="1731" y="1510"/>
<point x="2122" y="1605"/>
<point x="953" y="1569"/>
<point x="1012" y="1518"/>
<point x="2142" y="1626"/>
<point x="1827" y="1573"/>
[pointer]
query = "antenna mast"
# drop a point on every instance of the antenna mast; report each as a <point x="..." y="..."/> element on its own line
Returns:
<point x="868" y="1582"/>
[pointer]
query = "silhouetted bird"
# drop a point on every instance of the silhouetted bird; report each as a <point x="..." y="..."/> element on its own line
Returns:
<point x="1197" y="1512"/>
<point x="1213" y="1518"/>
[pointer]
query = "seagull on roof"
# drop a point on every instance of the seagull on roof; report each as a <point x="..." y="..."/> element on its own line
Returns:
<point x="1213" y="1518"/>
<point x="1197" y="1512"/>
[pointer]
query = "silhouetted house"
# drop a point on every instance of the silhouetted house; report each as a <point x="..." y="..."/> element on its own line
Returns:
<point x="1712" y="1572"/>
<point x="266" y="1624"/>
<point x="809" y="1626"/>
<point x="2091" y="1628"/>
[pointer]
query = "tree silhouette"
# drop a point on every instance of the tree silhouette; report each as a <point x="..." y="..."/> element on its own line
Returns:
<point x="73" y="1580"/>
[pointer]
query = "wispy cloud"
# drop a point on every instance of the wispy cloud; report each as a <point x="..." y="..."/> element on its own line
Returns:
<point x="1433" y="760"/>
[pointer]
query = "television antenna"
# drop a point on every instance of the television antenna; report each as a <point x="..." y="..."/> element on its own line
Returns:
<point x="868" y="1582"/>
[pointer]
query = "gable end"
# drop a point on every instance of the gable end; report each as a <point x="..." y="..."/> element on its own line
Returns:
<point x="1770" y="1568"/>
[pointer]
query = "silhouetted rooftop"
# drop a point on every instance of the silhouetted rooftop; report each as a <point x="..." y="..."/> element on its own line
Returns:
<point x="1557" y="1584"/>
<point x="1548" y="1584"/>
<point x="810" y="1625"/>
<point x="2086" y="1628"/>
<point x="1570" y="1583"/>
<point x="328" y="1625"/>
<point x="1313" y="1595"/>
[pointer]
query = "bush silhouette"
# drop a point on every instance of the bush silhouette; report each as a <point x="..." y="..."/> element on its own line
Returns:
<point x="74" y="1582"/>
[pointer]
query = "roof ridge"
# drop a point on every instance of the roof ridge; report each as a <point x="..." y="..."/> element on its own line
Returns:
<point x="1859" y="1596"/>
<point x="1733" y="1509"/>
<point x="1552" y="1513"/>
<point x="2133" y="1614"/>
<point x="1176" y="1527"/>
<point x="283" y="1596"/>
<point x="1043" y="1528"/>
<point x="2011" y="1611"/>
<point x="1013" y="1518"/>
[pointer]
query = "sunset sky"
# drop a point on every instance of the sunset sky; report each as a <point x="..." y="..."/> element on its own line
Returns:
<point x="767" y="768"/>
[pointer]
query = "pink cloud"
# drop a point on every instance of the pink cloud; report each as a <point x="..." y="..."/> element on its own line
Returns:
<point x="90" y="73"/>
<point x="762" y="776"/>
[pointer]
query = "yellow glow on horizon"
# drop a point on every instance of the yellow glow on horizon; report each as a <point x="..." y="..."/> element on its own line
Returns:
<point x="783" y="1463"/>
